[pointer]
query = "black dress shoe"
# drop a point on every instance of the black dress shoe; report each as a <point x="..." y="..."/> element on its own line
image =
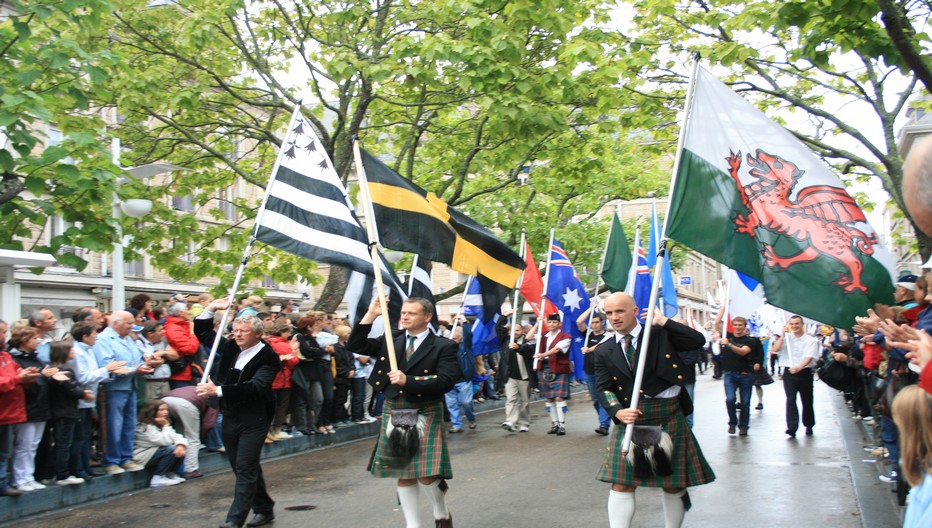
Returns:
<point x="791" y="433"/>
<point x="261" y="519"/>
<point x="602" y="431"/>
<point x="809" y="431"/>
<point x="230" y="524"/>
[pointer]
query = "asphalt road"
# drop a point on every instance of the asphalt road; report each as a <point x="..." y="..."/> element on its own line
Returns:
<point x="538" y="480"/>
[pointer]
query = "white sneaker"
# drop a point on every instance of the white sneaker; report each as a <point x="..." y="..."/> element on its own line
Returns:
<point x="37" y="485"/>
<point x="26" y="487"/>
<point x="70" y="481"/>
<point x="176" y="477"/>
<point x="281" y="435"/>
<point x="159" y="481"/>
<point x="524" y="429"/>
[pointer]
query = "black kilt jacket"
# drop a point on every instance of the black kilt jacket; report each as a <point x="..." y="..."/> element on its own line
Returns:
<point x="432" y="370"/>
<point x="615" y="379"/>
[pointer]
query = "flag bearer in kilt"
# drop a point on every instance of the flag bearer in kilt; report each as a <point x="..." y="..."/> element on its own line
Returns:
<point x="553" y="367"/>
<point x="663" y="402"/>
<point x="427" y="369"/>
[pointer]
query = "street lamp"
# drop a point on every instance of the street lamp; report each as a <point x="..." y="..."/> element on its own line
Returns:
<point x="133" y="208"/>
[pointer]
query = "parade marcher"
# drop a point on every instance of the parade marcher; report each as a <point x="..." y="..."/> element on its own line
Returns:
<point x="553" y="370"/>
<point x="518" y="365"/>
<point x="742" y="355"/>
<point x="798" y="353"/>
<point x="427" y="369"/>
<point x="459" y="399"/>
<point x="248" y="367"/>
<point x="596" y="336"/>
<point x="663" y="403"/>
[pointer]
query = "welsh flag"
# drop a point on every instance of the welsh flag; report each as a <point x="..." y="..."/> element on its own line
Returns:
<point x="751" y="196"/>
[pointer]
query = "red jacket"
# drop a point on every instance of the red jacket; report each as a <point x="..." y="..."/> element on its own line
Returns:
<point x="12" y="397"/>
<point x="282" y="347"/>
<point x="559" y="363"/>
<point x="182" y="340"/>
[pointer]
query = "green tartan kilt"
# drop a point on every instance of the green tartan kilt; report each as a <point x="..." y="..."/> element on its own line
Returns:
<point x="432" y="458"/>
<point x="558" y="388"/>
<point x="690" y="468"/>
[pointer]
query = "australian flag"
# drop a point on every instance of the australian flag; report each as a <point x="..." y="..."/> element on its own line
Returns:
<point x="567" y="293"/>
<point x="639" y="282"/>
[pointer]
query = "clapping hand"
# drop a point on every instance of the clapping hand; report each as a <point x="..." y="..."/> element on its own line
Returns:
<point x="920" y="349"/>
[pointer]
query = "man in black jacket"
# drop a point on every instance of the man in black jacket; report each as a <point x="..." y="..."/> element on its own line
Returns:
<point x="662" y="402"/>
<point x="427" y="369"/>
<point x="248" y="367"/>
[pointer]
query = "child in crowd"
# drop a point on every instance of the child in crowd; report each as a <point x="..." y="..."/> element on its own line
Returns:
<point x="912" y="408"/>
<point x="64" y="394"/>
<point x="158" y="447"/>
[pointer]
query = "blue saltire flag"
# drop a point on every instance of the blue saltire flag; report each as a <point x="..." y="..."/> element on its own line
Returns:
<point x="640" y="281"/>
<point x="567" y="293"/>
<point x="667" y="287"/>
<point x="475" y="303"/>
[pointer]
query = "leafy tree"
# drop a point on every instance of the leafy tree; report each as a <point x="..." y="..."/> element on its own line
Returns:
<point x="462" y="94"/>
<point x="52" y="66"/>
<point x="823" y="61"/>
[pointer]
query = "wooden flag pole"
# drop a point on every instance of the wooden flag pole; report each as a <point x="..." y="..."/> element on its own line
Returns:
<point x="543" y="300"/>
<point x="515" y="296"/>
<point x="374" y="254"/>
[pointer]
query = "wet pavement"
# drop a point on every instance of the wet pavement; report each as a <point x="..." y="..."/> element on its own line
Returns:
<point x="538" y="480"/>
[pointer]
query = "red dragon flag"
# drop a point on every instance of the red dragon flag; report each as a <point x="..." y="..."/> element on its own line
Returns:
<point x="748" y="194"/>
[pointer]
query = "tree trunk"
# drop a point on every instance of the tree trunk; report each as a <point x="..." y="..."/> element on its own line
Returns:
<point x="334" y="289"/>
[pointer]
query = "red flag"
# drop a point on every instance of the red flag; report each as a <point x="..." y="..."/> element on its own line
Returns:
<point x="532" y="284"/>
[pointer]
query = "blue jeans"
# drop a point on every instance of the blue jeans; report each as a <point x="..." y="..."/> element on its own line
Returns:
<point x="890" y="438"/>
<point x="357" y="410"/>
<point x="121" y="427"/>
<point x="691" y="390"/>
<point x="81" y="445"/>
<point x="215" y="435"/>
<point x="460" y="395"/>
<point x="735" y="381"/>
<point x="604" y="419"/>
<point x="6" y="449"/>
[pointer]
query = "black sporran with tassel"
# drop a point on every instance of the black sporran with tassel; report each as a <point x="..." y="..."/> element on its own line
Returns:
<point x="404" y="438"/>
<point x="650" y="452"/>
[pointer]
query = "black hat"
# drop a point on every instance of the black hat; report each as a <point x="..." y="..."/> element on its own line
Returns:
<point x="553" y="317"/>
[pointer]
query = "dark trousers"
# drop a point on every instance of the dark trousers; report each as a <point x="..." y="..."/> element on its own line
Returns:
<point x="177" y="384"/>
<point x="282" y="406"/>
<point x="340" y="395"/>
<point x="64" y="436"/>
<point x="81" y="444"/>
<point x="358" y="398"/>
<point x="243" y="437"/>
<point x="798" y="384"/>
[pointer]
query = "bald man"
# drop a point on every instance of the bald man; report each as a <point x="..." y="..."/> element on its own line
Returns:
<point x="115" y="344"/>
<point x="917" y="184"/>
<point x="663" y="402"/>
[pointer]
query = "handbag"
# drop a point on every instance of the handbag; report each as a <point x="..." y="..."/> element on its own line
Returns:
<point x="651" y="449"/>
<point x="404" y="439"/>
<point x="836" y="375"/>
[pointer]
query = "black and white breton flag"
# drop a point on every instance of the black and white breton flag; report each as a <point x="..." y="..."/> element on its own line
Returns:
<point x="308" y="212"/>
<point x="420" y="285"/>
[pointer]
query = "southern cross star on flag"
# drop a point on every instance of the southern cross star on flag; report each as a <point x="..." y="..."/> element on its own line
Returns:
<point x="566" y="291"/>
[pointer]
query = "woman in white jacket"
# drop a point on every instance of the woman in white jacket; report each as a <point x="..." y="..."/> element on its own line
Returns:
<point x="158" y="446"/>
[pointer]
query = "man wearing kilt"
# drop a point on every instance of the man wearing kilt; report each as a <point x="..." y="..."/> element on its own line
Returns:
<point x="663" y="402"/>
<point x="427" y="369"/>
<point x="553" y="366"/>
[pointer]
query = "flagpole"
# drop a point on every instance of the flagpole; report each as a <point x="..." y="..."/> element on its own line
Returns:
<point x="727" y="305"/>
<point x="661" y="256"/>
<point x="249" y="243"/>
<point x="456" y="318"/>
<point x="374" y="254"/>
<point x="517" y="292"/>
<point x="543" y="299"/>
<point x="411" y="275"/>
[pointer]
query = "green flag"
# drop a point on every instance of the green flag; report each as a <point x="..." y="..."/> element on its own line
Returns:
<point x="750" y="195"/>
<point x="617" y="263"/>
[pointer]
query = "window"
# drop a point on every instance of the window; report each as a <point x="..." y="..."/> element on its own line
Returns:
<point x="182" y="203"/>
<point x="56" y="138"/>
<point x="225" y="203"/>
<point x="267" y="282"/>
<point x="135" y="268"/>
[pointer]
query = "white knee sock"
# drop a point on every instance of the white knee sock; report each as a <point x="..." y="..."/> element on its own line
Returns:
<point x="558" y="412"/>
<point x="673" y="509"/>
<point x="620" y="508"/>
<point x="550" y="411"/>
<point x="408" y="497"/>
<point x="437" y="499"/>
<point x="563" y="408"/>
